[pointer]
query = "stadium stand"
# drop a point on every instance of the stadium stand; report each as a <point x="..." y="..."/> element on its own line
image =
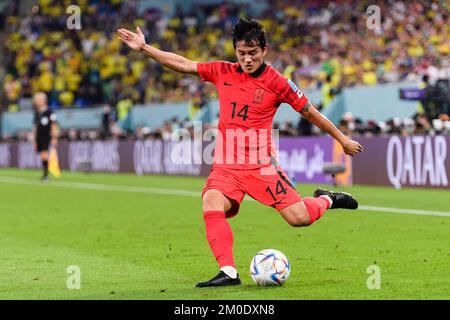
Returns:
<point x="323" y="46"/>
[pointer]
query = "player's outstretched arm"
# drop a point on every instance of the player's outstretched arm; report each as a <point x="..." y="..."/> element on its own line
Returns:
<point x="136" y="41"/>
<point x="311" y="114"/>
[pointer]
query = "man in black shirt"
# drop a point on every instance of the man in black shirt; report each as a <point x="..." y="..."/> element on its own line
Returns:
<point x="45" y="130"/>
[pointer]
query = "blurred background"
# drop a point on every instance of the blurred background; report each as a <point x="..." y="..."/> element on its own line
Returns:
<point x="378" y="69"/>
<point x="389" y="80"/>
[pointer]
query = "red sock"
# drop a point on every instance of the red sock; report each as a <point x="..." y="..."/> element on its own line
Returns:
<point x="316" y="207"/>
<point x="220" y="237"/>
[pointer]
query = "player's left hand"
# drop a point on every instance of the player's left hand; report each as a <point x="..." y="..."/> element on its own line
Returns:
<point x="352" y="147"/>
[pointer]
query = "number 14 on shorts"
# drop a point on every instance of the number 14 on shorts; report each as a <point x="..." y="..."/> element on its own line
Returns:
<point x="279" y="189"/>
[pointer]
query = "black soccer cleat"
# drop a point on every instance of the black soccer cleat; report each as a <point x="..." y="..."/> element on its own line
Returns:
<point x="44" y="179"/>
<point x="222" y="279"/>
<point x="341" y="200"/>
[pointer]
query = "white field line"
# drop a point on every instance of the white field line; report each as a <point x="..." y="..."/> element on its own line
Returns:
<point x="187" y="193"/>
<point x="405" y="211"/>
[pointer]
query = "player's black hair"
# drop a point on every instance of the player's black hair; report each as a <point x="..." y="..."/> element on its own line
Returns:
<point x="249" y="31"/>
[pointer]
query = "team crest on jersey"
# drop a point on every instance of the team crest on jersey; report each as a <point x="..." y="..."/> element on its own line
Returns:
<point x="258" y="96"/>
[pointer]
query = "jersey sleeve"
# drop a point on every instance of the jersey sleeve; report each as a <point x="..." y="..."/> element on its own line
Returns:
<point x="290" y="94"/>
<point x="210" y="71"/>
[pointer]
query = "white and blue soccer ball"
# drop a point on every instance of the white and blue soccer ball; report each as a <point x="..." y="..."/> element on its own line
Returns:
<point x="270" y="267"/>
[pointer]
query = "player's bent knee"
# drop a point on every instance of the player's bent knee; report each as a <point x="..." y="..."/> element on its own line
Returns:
<point x="296" y="215"/>
<point x="299" y="220"/>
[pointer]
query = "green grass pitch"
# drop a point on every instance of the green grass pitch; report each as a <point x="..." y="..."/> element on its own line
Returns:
<point x="132" y="239"/>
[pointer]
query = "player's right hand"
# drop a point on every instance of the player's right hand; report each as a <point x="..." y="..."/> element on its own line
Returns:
<point x="135" y="41"/>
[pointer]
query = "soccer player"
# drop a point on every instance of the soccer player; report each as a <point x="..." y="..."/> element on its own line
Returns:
<point x="250" y="92"/>
<point x="45" y="131"/>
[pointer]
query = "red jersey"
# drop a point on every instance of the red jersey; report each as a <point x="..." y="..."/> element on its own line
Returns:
<point x="248" y="103"/>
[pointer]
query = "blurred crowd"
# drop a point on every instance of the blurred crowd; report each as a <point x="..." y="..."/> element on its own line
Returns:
<point x="333" y="46"/>
<point x="324" y="45"/>
<point x="309" y="41"/>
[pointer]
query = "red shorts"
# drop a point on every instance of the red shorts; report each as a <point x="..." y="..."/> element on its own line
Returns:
<point x="271" y="186"/>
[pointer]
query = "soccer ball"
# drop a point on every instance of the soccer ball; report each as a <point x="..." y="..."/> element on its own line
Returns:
<point x="270" y="267"/>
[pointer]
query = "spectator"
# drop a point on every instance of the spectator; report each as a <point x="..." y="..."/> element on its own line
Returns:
<point x="106" y="122"/>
